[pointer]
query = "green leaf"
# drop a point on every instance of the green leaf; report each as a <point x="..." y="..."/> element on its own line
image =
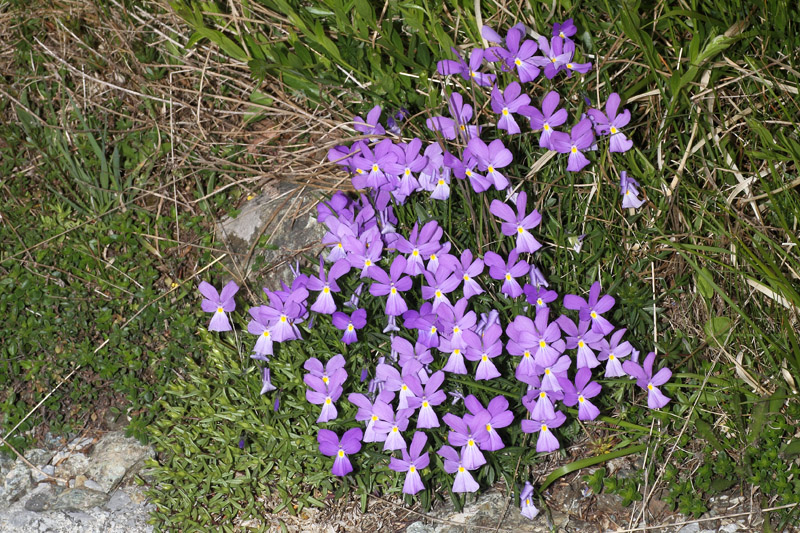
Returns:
<point x="716" y="330"/>
<point x="705" y="288"/>
<point x="590" y="461"/>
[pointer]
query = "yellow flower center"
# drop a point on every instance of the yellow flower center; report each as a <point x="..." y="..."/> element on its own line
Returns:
<point x="613" y="129"/>
<point x="460" y="468"/>
<point x="580" y="399"/>
<point x="220" y="310"/>
<point x="546" y="127"/>
<point x="394" y="291"/>
<point x="593" y="314"/>
<point x="508" y="277"/>
<point x="543" y="394"/>
<point x="542" y="344"/>
<point x="367" y="263"/>
<point x="375" y="167"/>
<point x="433" y="329"/>
<point x="283" y="318"/>
<point x="404" y="387"/>
<point x="456" y="329"/>
<point x="433" y="257"/>
<point x="415" y="253"/>
<point x="488" y="427"/>
<point x="517" y="62"/>
<point x="350" y="327"/>
<point x="462" y="127"/>
<point x="472" y="73"/>
<point x="328" y="401"/>
<point x="466" y="277"/>
<point x="539" y="301"/>
<point x="491" y="168"/>
<point x="407" y="172"/>
<point x="544" y="427"/>
<point x="438" y="294"/>
<point x="470" y="442"/>
<point x="394" y="429"/>
<point x="359" y="171"/>
<point x="412" y="469"/>
<point x="468" y="172"/>
<point x="526" y="354"/>
<point x="561" y="34"/>
<point x="339" y="245"/>
<point x="425" y="404"/>
<point x="547" y="371"/>
<point x="326" y="290"/>
<point x="266" y="333"/>
<point x="484" y="358"/>
<point x="341" y="453"/>
<point x="441" y="182"/>
<point x="611" y="357"/>
<point x="505" y="111"/>
<point x="574" y="150"/>
<point x="374" y="418"/>
<point x="581" y="344"/>
<point x="325" y="379"/>
<point x="520" y="229"/>
<point x="552" y="59"/>
<point x="569" y="66"/>
<point x="649" y="386"/>
<point x="457" y="351"/>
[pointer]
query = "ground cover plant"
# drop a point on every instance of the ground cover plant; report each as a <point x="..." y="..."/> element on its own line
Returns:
<point x="705" y="271"/>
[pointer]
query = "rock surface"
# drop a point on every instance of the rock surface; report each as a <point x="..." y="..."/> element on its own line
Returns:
<point x="92" y="488"/>
<point x="285" y="215"/>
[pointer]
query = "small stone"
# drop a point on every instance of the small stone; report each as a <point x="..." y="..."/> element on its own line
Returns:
<point x="73" y="465"/>
<point x="38" y="456"/>
<point x="42" y="498"/>
<point x="92" y="484"/>
<point x="78" y="498"/>
<point x="118" y="501"/>
<point x="419" y="527"/>
<point x="17" y="482"/>
<point x="113" y="457"/>
<point x="80" y="480"/>
<point x="45" y="472"/>
<point x="690" y="528"/>
<point x="729" y="528"/>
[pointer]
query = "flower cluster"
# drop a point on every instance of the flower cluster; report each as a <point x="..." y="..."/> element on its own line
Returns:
<point x="425" y="291"/>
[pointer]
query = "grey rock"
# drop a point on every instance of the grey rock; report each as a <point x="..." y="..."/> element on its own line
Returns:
<point x="72" y="465"/>
<point x="285" y="213"/>
<point x="115" y="456"/>
<point x="690" y="528"/>
<point x="38" y="456"/>
<point x="119" y="501"/>
<point x="731" y="528"/>
<point x="42" y="498"/>
<point x="44" y="472"/>
<point x="17" y="482"/>
<point x="78" y="499"/>
<point x="419" y="527"/>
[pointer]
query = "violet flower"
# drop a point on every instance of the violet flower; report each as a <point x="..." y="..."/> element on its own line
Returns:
<point x="467" y="71"/>
<point x="628" y="188"/>
<point x="455" y="320"/>
<point x="412" y="462"/>
<point x="260" y="325"/>
<point x="425" y="398"/>
<point x="610" y="123"/>
<point x="266" y="384"/>
<point x="538" y="296"/>
<point x="458" y="126"/>
<point x="330" y="445"/>
<point x="419" y="246"/>
<point x="363" y="255"/>
<point x="366" y="412"/>
<point x="439" y="285"/>
<point x="371" y="126"/>
<point x="327" y="285"/>
<point x="580" y="138"/>
<point x="564" y="29"/>
<point x="394" y="381"/>
<point x="539" y="402"/>
<point x="454" y="464"/>
<point x="391" y="425"/>
<point x="584" y="339"/>
<point x="547" y="442"/>
<point x="548" y="118"/>
<point x="507" y="271"/>
<point x="569" y="65"/>
<point x="499" y="417"/>
<point x="349" y="324"/>
<point x="518" y="55"/>
<point x="649" y="382"/>
<point x="527" y="508"/>
<point x="425" y="322"/>
<point x="507" y="103"/>
<point x="553" y="57"/>
<point x="470" y="436"/>
<point x="219" y="304"/>
<point x="491" y="158"/>
<point x="580" y="392"/>
<point x="468" y="270"/>
<point x="325" y="391"/>
<point x="490" y="347"/>
<point x="392" y="285"/>
<point x="455" y="362"/>
<point x="518" y="224"/>
<point x="593" y="308"/>
<point x="379" y="165"/>
<point x="612" y="351"/>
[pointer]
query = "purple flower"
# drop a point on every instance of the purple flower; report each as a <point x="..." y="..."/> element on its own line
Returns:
<point x="439" y="285"/>
<point x="613" y="350"/>
<point x="349" y="324"/>
<point x="490" y="159"/>
<point x="424" y="321"/>
<point x="455" y="362"/>
<point x="413" y="163"/>
<point x="538" y="296"/>
<point x="518" y="224"/>
<point x="507" y="103"/>
<point x="413" y="460"/>
<point x="394" y="381"/>
<point x="564" y="29"/>
<point x="548" y="118"/>
<point x="425" y="398"/>
<point x="456" y="320"/>
<point x="516" y="55"/>
<point x="646" y="380"/>
<point x="260" y="326"/>
<point x="508" y="272"/>
<point x="283" y="310"/>
<point x="327" y="285"/>
<point x="468" y="270"/>
<point x="392" y="285"/>
<point x="569" y="64"/>
<point x="219" y="304"/>
<point x="593" y="308"/>
<point x="419" y="246"/>
<point x="325" y="385"/>
<point x="330" y="445"/>
<point x="628" y="188"/>
<point x="546" y="442"/>
<point x="490" y="347"/>
<point x="379" y="166"/>
<point x="266" y="384"/>
<point x="580" y="138"/>
<point x="537" y="277"/>
<point x="467" y="71"/>
<point x="527" y="509"/>
<point x="390" y="426"/>
<point x="553" y="57"/>
<point x="458" y="126"/>
<point x="371" y="126"/>
<point x="366" y="412"/>
<point x="580" y="394"/>
<point x="610" y="123"/>
<point x="454" y="464"/>
<point x="363" y="255"/>
<point x="499" y="417"/>
<point x="419" y="353"/>
<point x="582" y="338"/>
<point x="470" y="436"/>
